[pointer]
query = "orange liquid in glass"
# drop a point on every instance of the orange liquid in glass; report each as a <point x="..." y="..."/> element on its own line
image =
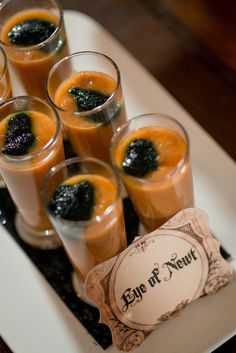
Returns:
<point x="88" y="138"/>
<point x="32" y="66"/>
<point x="100" y="240"/>
<point x="24" y="178"/>
<point x="161" y="194"/>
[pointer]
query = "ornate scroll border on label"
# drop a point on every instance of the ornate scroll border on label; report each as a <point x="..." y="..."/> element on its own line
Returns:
<point x="156" y="277"/>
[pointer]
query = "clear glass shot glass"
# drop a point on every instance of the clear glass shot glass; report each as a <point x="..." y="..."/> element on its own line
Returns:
<point x="32" y="49"/>
<point x="151" y="154"/>
<point x="5" y="86"/>
<point x="85" y="88"/>
<point x="88" y="239"/>
<point x="24" y="172"/>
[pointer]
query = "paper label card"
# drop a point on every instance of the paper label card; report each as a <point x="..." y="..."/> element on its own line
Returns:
<point x="156" y="277"/>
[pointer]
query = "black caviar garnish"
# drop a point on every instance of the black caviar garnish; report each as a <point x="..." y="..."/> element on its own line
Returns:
<point x="31" y="32"/>
<point x="89" y="99"/>
<point x="19" y="137"/>
<point x="141" y="157"/>
<point x="74" y="202"/>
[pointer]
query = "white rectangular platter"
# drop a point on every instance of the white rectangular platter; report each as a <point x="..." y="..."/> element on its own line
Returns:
<point x="33" y="319"/>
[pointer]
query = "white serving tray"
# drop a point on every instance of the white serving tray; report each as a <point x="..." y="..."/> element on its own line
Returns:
<point x="33" y="319"/>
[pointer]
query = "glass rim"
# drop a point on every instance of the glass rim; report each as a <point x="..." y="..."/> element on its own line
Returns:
<point x="41" y="44"/>
<point x="4" y="69"/>
<point x="174" y="170"/>
<point x="66" y="163"/>
<point x="98" y="108"/>
<point x="49" y="144"/>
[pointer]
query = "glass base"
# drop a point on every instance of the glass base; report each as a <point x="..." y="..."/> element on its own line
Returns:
<point x="45" y="240"/>
<point x="78" y="286"/>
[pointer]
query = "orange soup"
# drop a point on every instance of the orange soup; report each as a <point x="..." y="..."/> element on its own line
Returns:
<point x="90" y="132"/>
<point x="103" y="235"/>
<point x="32" y="63"/>
<point x="24" y="174"/>
<point x="167" y="188"/>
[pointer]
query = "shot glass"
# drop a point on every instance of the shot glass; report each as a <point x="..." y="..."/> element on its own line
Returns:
<point x="151" y="154"/>
<point x="82" y="198"/>
<point x="33" y="35"/>
<point x="30" y="144"/>
<point x="5" y="86"/>
<point x="85" y="88"/>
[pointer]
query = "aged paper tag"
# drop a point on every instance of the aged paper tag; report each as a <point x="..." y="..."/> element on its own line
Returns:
<point x="156" y="277"/>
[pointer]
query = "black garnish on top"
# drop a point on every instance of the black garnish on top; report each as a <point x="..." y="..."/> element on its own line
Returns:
<point x="74" y="202"/>
<point x="31" y="32"/>
<point x="19" y="137"/>
<point x="141" y="158"/>
<point x="87" y="99"/>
